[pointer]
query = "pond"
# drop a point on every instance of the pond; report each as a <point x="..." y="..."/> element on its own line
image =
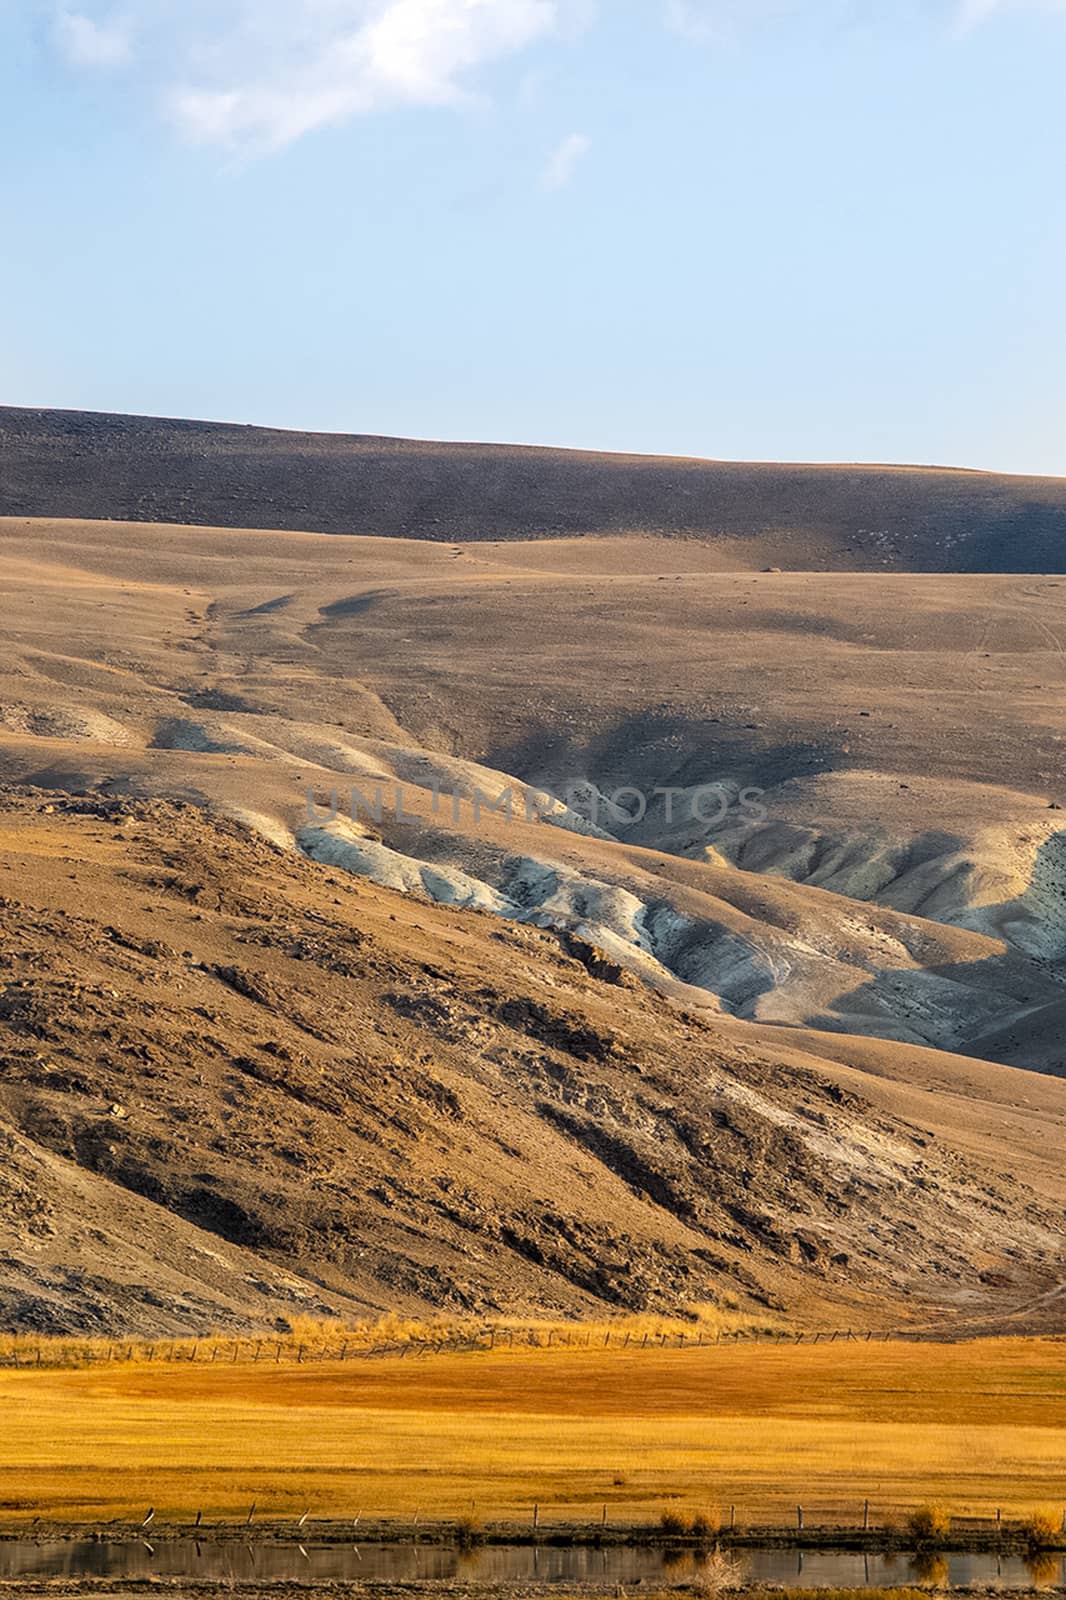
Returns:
<point x="504" y="1565"/>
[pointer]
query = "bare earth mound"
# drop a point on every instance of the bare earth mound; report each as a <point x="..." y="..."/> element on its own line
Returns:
<point x="151" y="469"/>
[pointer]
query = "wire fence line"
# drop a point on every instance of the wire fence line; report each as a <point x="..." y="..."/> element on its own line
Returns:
<point x="53" y="1353"/>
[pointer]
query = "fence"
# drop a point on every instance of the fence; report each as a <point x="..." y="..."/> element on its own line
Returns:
<point x="62" y="1353"/>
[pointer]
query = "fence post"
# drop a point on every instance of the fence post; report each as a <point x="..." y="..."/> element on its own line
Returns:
<point x="536" y="1517"/>
<point x="799" y="1518"/>
<point x="866" y="1516"/>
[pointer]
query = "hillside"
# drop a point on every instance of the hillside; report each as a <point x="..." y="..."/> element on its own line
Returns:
<point x="236" y="1087"/>
<point x="900" y="877"/>
<point x="145" y="469"/>
<point x="265" y="1052"/>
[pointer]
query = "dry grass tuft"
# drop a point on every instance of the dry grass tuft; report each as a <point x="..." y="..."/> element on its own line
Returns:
<point x="1042" y="1530"/>
<point x="469" y="1530"/>
<point x="706" y="1526"/>
<point x="929" y="1524"/>
<point x="717" y="1572"/>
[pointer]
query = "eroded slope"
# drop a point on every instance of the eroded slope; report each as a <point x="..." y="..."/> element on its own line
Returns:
<point x="903" y="876"/>
<point x="227" y="1053"/>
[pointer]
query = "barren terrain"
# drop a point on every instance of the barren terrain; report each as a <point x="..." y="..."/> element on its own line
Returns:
<point x="152" y="469"/>
<point x="335" y="980"/>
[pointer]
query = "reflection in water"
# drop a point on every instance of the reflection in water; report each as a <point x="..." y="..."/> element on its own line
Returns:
<point x="931" y="1569"/>
<point x="1046" y="1570"/>
<point x="265" y="1562"/>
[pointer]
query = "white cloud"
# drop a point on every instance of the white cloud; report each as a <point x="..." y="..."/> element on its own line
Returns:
<point x="257" y="74"/>
<point x="87" y="43"/>
<point x="254" y="75"/>
<point x="564" y="160"/>
<point x="318" y="62"/>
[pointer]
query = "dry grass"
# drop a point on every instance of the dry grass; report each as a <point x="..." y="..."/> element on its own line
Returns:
<point x="970" y="1427"/>
<point x="929" y="1525"/>
<point x="315" y="1339"/>
<point x="1043" y="1528"/>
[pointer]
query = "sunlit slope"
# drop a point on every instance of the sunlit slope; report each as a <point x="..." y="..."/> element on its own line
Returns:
<point x="901" y="876"/>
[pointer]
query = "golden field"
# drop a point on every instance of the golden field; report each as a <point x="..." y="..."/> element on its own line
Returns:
<point x="762" y="1427"/>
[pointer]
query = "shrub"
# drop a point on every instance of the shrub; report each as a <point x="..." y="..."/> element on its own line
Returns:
<point x="929" y="1524"/>
<point x="673" y="1523"/>
<point x="469" y="1529"/>
<point x="705" y="1525"/>
<point x="716" y="1573"/>
<point x="1039" y="1530"/>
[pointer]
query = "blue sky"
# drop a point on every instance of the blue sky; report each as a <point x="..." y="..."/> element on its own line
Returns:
<point x="765" y="229"/>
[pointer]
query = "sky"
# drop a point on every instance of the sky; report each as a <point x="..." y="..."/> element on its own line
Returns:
<point x="753" y="229"/>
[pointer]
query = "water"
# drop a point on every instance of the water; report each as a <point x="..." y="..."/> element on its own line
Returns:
<point x="502" y="1565"/>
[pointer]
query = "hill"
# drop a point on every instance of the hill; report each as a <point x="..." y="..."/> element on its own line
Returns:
<point x="268" y="1050"/>
<point x="236" y="1087"/>
<point x="147" y="469"/>
<point x="900" y="873"/>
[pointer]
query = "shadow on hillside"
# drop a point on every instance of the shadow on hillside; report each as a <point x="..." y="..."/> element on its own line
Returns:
<point x="1031" y="1030"/>
<point x="659" y="748"/>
